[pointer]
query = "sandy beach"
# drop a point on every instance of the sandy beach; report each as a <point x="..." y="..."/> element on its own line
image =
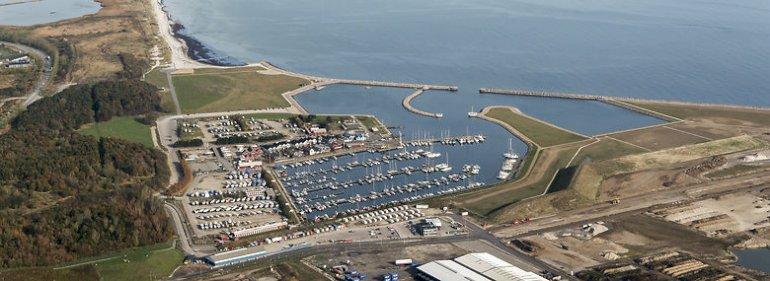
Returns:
<point x="179" y="58"/>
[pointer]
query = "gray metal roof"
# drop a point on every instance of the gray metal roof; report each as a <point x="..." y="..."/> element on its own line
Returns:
<point x="447" y="270"/>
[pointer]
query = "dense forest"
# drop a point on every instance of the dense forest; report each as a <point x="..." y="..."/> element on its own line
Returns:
<point x="65" y="196"/>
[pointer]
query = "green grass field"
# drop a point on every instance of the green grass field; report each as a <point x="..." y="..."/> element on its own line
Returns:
<point x="152" y="262"/>
<point x="126" y="128"/>
<point x="539" y="132"/>
<point x="228" y="90"/>
<point x="761" y="117"/>
<point x="157" y="78"/>
<point x="146" y="263"/>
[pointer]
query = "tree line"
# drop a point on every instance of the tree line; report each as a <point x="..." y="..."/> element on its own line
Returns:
<point x="65" y="196"/>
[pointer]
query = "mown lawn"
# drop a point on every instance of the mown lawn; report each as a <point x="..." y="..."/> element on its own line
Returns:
<point x="152" y="262"/>
<point x="211" y="91"/>
<point x="539" y="132"/>
<point x="146" y="263"/>
<point x="157" y="78"/>
<point x="126" y="128"/>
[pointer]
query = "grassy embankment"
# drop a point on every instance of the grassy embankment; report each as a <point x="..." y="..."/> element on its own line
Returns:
<point x="707" y="131"/>
<point x="566" y="150"/>
<point x="540" y="132"/>
<point x="553" y="148"/>
<point x="586" y="187"/>
<point x="126" y="128"/>
<point x="143" y="263"/>
<point x="716" y="114"/>
<point x="215" y="90"/>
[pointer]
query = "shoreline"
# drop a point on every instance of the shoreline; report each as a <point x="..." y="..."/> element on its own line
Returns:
<point x="197" y="51"/>
<point x="182" y="47"/>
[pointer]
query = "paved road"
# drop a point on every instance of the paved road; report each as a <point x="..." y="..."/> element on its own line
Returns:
<point x="172" y="91"/>
<point x="300" y="252"/>
<point x="480" y="233"/>
<point x="184" y="239"/>
<point x="45" y="76"/>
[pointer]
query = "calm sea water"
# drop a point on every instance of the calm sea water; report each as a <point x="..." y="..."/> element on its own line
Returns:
<point x="37" y="12"/>
<point x="699" y="50"/>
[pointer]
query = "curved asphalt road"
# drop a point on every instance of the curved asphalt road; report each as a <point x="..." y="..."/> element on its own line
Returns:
<point x="45" y="76"/>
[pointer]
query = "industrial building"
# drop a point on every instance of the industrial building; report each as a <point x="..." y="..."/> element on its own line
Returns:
<point x="235" y="256"/>
<point x="239" y="233"/>
<point x="475" y="266"/>
<point x="496" y="269"/>
<point x="445" y="270"/>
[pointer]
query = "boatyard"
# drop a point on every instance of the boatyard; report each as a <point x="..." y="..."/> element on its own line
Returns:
<point x="348" y="184"/>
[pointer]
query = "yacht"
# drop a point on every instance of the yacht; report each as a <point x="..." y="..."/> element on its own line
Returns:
<point x="510" y="154"/>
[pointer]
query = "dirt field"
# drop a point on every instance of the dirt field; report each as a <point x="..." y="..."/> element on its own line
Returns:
<point x="659" y="137"/>
<point x="673" y="156"/>
<point x="626" y="185"/>
<point x="733" y="213"/>
<point x="571" y="253"/>
<point x="643" y="234"/>
<point x="375" y="262"/>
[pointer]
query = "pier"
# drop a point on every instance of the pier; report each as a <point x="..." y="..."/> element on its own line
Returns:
<point x="323" y="81"/>
<point x="316" y="83"/>
<point x="407" y="103"/>
<point x="617" y="101"/>
<point x="372" y="83"/>
<point x="531" y="93"/>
